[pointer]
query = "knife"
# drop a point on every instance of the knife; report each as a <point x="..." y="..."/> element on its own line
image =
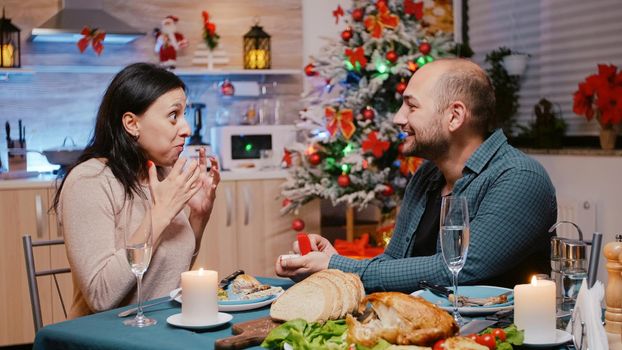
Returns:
<point x="435" y="289"/>
<point x="225" y="281"/>
<point x="476" y="326"/>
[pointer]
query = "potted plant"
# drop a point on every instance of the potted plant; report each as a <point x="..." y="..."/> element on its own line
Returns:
<point x="600" y="96"/>
<point x="506" y="89"/>
<point x="548" y="128"/>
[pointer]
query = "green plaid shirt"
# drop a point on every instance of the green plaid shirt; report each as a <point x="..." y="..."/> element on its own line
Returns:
<point x="511" y="206"/>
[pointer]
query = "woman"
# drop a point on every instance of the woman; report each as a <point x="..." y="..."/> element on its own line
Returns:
<point x="134" y="158"/>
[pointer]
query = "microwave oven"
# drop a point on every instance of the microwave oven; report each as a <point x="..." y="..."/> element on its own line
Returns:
<point x="251" y="146"/>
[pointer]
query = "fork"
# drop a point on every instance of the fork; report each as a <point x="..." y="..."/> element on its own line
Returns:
<point x="134" y="309"/>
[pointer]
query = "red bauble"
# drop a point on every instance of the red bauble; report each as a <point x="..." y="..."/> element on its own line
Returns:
<point x="400" y="148"/>
<point x="368" y="113"/>
<point x="310" y="70"/>
<point x="286" y="202"/>
<point x="346" y="35"/>
<point x="389" y="191"/>
<point x="358" y="14"/>
<point x="314" y="159"/>
<point x="400" y="87"/>
<point x="343" y="180"/>
<point x="391" y="56"/>
<point x="425" y="48"/>
<point x="298" y="225"/>
<point x="227" y="89"/>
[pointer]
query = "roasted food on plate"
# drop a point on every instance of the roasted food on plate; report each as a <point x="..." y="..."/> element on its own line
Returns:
<point x="247" y="287"/>
<point x="401" y="319"/>
<point x="326" y="295"/>
<point x="469" y="301"/>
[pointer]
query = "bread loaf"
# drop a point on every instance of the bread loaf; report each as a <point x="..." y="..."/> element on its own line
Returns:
<point x="326" y="295"/>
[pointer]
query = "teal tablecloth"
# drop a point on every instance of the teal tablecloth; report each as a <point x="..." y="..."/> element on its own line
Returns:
<point x="105" y="330"/>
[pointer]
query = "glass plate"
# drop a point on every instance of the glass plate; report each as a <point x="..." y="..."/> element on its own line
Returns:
<point x="473" y="292"/>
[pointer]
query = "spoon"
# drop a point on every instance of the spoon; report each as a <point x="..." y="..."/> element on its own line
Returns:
<point x="135" y="309"/>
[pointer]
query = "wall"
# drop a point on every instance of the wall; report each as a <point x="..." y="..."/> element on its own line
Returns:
<point x="55" y="105"/>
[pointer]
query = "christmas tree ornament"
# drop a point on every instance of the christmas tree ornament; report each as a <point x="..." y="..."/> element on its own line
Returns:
<point x="358" y="14"/>
<point x="286" y="202"/>
<point x="95" y="37"/>
<point x="413" y="8"/>
<point x="368" y="113"/>
<point x="346" y="35"/>
<point x="400" y="87"/>
<point x="314" y="158"/>
<point x="357" y="58"/>
<point x="298" y="225"/>
<point x="286" y="161"/>
<point x="388" y="191"/>
<point x="343" y="180"/>
<point x="226" y="88"/>
<point x="338" y="12"/>
<point x="412" y="66"/>
<point x="376" y="24"/>
<point x="391" y="56"/>
<point x="423" y="60"/>
<point x="340" y="120"/>
<point x="310" y="70"/>
<point x="425" y="48"/>
<point x="374" y="145"/>
<point x="400" y="148"/>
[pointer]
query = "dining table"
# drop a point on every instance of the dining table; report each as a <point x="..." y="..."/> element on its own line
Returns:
<point x="106" y="331"/>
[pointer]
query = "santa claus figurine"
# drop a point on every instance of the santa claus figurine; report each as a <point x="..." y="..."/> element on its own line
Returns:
<point x="169" y="41"/>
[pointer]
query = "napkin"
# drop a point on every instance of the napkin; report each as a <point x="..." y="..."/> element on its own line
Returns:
<point x="588" y="309"/>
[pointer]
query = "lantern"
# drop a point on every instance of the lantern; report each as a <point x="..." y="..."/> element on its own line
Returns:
<point x="256" y="48"/>
<point x="10" y="56"/>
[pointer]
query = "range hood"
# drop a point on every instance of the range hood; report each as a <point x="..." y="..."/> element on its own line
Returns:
<point x="66" y="25"/>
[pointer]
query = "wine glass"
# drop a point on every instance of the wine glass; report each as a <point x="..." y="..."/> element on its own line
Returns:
<point x="138" y="246"/>
<point x="454" y="232"/>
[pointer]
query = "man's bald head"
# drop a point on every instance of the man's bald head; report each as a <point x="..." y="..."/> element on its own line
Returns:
<point x="463" y="80"/>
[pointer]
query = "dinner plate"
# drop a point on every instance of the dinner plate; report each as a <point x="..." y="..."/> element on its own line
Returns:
<point x="473" y="292"/>
<point x="237" y="305"/>
<point x="561" y="337"/>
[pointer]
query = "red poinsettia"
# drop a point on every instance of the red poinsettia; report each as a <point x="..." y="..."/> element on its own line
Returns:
<point x="600" y="96"/>
<point x="374" y="145"/>
<point x="209" y="32"/>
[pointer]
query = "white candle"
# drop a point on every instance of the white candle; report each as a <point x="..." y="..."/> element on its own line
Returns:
<point x="534" y="310"/>
<point x="199" y="297"/>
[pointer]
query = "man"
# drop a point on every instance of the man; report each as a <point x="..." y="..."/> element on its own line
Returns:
<point x="445" y="112"/>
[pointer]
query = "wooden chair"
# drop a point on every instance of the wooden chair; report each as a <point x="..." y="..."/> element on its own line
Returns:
<point x="32" y="275"/>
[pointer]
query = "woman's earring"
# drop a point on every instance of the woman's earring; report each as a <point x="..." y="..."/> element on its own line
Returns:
<point x="136" y="136"/>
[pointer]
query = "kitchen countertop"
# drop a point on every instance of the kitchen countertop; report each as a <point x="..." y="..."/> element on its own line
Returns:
<point x="49" y="180"/>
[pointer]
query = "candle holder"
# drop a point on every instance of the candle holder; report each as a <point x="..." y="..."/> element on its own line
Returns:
<point x="10" y="50"/>
<point x="257" y="48"/>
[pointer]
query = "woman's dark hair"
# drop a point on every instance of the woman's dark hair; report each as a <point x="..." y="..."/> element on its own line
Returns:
<point x="133" y="89"/>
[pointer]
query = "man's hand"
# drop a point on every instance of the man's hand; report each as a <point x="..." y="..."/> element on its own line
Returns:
<point x="299" y="268"/>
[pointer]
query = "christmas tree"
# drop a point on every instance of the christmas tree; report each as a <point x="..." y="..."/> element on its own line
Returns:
<point x="351" y="149"/>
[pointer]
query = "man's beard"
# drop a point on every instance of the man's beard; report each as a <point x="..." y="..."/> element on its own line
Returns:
<point x="168" y="29"/>
<point x="429" y="143"/>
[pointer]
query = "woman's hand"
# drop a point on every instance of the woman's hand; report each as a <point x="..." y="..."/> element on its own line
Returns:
<point x="202" y="201"/>
<point x="172" y="193"/>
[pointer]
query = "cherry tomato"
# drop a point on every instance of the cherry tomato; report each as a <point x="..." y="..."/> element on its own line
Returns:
<point x="439" y="345"/>
<point x="499" y="333"/>
<point x="473" y="337"/>
<point x="487" y="340"/>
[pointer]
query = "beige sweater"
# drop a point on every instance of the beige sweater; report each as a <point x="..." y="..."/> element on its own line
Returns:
<point x="93" y="221"/>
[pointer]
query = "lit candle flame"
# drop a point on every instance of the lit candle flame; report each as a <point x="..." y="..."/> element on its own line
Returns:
<point x="200" y="271"/>
<point x="534" y="281"/>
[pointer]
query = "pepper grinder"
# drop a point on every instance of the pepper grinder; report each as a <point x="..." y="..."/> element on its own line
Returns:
<point x="613" y="293"/>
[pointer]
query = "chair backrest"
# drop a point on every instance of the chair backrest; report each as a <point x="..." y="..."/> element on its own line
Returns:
<point x="32" y="275"/>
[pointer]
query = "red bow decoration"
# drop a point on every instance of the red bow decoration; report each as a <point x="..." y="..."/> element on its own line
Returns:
<point x="377" y="147"/>
<point x="93" y="36"/>
<point x="384" y="18"/>
<point x="357" y="55"/>
<point x="413" y="9"/>
<point x="408" y="165"/>
<point x="338" y="12"/>
<point x="342" y="119"/>
<point x="287" y="158"/>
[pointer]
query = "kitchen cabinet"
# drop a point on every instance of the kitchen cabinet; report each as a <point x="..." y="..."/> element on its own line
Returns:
<point x="22" y="211"/>
<point x="246" y="230"/>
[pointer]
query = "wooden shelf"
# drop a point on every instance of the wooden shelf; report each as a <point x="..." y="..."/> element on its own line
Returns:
<point x="181" y="71"/>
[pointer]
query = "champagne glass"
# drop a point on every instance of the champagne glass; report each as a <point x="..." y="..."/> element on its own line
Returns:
<point x="454" y="232"/>
<point x="138" y="247"/>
